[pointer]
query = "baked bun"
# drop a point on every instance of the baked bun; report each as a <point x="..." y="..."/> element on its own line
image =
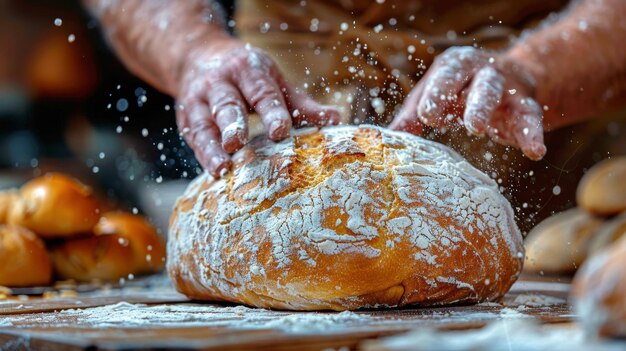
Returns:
<point x="122" y="244"/>
<point x="599" y="292"/>
<point x="143" y="239"/>
<point x="560" y="243"/>
<point x="23" y="258"/>
<point x="611" y="231"/>
<point x="345" y="218"/>
<point x="8" y="198"/>
<point x="603" y="188"/>
<point x="54" y="206"/>
<point x="101" y="257"/>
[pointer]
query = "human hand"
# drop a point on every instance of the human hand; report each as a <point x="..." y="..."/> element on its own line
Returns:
<point x="486" y="92"/>
<point x="224" y="80"/>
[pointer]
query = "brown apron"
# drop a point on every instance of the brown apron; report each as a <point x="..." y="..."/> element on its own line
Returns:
<point x="365" y="56"/>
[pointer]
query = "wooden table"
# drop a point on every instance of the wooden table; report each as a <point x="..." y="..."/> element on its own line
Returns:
<point x="159" y="318"/>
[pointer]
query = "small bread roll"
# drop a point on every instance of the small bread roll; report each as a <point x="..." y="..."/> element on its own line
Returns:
<point x="23" y="258"/>
<point x="143" y="239"/>
<point x="8" y="198"/>
<point x="100" y="257"/>
<point x="599" y="292"/>
<point x="560" y="243"/>
<point x="345" y="218"/>
<point x="610" y="231"/>
<point x="55" y="206"/>
<point x="602" y="190"/>
<point x="123" y="244"/>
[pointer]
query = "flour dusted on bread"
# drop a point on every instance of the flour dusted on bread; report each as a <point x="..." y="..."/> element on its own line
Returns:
<point x="344" y="218"/>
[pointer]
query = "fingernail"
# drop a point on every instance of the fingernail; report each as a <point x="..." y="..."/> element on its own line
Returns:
<point x="219" y="165"/>
<point x="539" y="149"/>
<point x="279" y="129"/>
<point x="233" y="137"/>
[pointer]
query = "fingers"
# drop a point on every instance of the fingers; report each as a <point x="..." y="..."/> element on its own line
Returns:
<point x="407" y="119"/>
<point x="484" y="97"/>
<point x="265" y="97"/>
<point x="451" y="72"/>
<point x="228" y="112"/>
<point x="204" y="137"/>
<point x="528" y="129"/>
<point x="306" y="111"/>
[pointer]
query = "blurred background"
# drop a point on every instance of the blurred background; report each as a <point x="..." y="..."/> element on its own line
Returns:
<point x="68" y="104"/>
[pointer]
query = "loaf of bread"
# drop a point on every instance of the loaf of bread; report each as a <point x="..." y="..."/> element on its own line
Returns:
<point x="599" y="292"/>
<point x="602" y="190"/>
<point x="55" y="206"/>
<point x="142" y="237"/>
<point x="560" y="243"/>
<point x="345" y="218"/>
<point x="99" y="257"/>
<point x="122" y="244"/>
<point x="23" y="258"/>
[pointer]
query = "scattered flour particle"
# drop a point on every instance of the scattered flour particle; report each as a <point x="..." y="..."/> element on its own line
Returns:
<point x="556" y="190"/>
<point x="58" y="22"/>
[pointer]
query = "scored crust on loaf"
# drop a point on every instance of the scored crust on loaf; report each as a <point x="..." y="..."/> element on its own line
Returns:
<point x="344" y="218"/>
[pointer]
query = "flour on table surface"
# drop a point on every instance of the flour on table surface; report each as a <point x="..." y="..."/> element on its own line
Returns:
<point x="536" y="300"/>
<point x="127" y="315"/>
<point x="505" y="334"/>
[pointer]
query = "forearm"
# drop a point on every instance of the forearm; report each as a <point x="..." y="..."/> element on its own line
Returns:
<point x="154" y="37"/>
<point x="579" y="62"/>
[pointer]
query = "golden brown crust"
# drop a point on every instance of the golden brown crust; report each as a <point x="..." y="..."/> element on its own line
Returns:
<point x="602" y="190"/>
<point x="8" y="198"/>
<point x="345" y="218"/>
<point x="148" y="248"/>
<point x="599" y="292"/>
<point x="101" y="257"/>
<point x="560" y="244"/>
<point x="23" y="258"/>
<point x="55" y="206"/>
<point x="122" y="244"/>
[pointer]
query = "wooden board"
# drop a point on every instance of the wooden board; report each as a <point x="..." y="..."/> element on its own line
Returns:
<point x="178" y="323"/>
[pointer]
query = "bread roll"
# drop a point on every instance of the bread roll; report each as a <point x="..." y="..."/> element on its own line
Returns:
<point x="560" y="243"/>
<point x="610" y="231"/>
<point x="143" y="239"/>
<point x="345" y="218"/>
<point x="602" y="190"/>
<point x="23" y="258"/>
<point x="123" y="244"/>
<point x="54" y="206"/>
<point x="599" y="292"/>
<point x="100" y="257"/>
<point x="8" y="198"/>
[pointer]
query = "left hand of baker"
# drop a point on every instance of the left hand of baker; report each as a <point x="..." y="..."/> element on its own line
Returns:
<point x="487" y="92"/>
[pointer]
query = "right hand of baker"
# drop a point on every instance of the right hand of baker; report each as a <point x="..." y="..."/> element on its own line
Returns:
<point x="483" y="91"/>
<point x="221" y="82"/>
